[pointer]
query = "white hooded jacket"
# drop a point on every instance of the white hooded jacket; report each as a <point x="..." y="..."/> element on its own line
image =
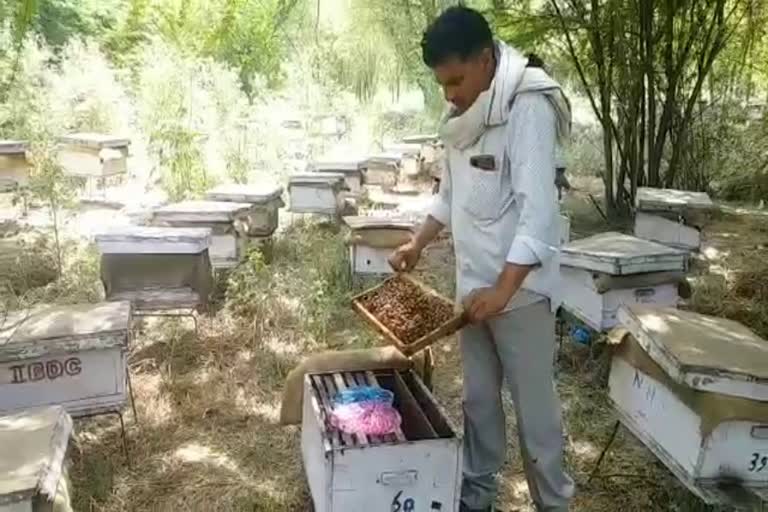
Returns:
<point x="508" y="213"/>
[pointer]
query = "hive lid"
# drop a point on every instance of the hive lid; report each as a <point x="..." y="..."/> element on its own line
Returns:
<point x="95" y="140"/>
<point x="704" y="352"/>
<point x="153" y="240"/>
<point x="421" y="138"/>
<point x="386" y="158"/>
<point x="369" y="222"/>
<point x="339" y="165"/>
<point x="403" y="149"/>
<point x="316" y="178"/>
<point x="34" y="447"/>
<point x="619" y="254"/>
<point x="650" y="199"/>
<point x="49" y="322"/>
<point x="12" y="147"/>
<point x="252" y="193"/>
<point x="201" y="211"/>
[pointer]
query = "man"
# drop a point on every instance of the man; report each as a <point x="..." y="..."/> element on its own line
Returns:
<point x="498" y="196"/>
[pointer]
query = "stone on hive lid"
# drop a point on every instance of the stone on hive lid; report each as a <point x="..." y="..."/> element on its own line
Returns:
<point x="649" y="199"/>
<point x="201" y="211"/>
<point x="34" y="445"/>
<point x="619" y="254"/>
<point x="153" y="240"/>
<point x="12" y="147"/>
<point x="258" y="193"/>
<point x="95" y="140"/>
<point x="688" y="345"/>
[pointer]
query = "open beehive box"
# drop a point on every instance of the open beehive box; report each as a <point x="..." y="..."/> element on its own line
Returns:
<point x="418" y="466"/>
<point x="410" y="315"/>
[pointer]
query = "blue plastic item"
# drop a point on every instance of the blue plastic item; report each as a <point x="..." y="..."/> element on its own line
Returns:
<point x="581" y="335"/>
<point x="364" y="394"/>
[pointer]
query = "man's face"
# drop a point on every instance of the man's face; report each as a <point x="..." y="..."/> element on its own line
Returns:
<point x="463" y="80"/>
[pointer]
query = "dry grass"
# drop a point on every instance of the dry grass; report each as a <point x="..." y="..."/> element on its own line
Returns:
<point x="208" y="437"/>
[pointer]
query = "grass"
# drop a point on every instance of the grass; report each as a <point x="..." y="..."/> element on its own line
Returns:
<point x="207" y="436"/>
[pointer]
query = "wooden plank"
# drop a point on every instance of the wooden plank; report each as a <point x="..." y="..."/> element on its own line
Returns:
<point x="415" y="421"/>
<point x="399" y="435"/>
<point x="346" y="438"/>
<point x="333" y="433"/>
<point x="432" y="410"/>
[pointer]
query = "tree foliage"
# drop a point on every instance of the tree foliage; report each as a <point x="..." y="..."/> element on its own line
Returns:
<point x="645" y="66"/>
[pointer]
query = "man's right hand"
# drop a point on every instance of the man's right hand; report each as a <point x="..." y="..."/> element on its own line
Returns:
<point x="405" y="257"/>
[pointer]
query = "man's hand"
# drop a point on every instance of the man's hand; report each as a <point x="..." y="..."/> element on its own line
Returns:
<point x="405" y="257"/>
<point x="484" y="303"/>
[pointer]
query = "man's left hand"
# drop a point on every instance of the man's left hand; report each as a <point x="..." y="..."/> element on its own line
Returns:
<point x="483" y="303"/>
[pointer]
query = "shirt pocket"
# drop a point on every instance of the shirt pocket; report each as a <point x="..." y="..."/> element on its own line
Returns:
<point x="489" y="191"/>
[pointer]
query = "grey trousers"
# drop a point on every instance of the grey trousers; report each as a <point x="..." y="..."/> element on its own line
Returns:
<point x="517" y="346"/>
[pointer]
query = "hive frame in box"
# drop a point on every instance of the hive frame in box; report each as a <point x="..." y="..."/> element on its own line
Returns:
<point x="345" y="471"/>
<point x="454" y="324"/>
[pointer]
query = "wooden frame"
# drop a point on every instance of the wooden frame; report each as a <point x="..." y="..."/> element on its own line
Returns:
<point x="458" y="321"/>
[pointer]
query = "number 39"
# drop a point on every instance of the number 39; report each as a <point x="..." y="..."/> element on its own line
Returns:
<point x="758" y="463"/>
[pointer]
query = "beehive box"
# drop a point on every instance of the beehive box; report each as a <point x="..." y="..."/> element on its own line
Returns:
<point x="351" y="169"/>
<point x="417" y="468"/>
<point x="693" y="389"/>
<point x="372" y="240"/>
<point x="265" y="200"/>
<point x="602" y="272"/>
<point x="383" y="169"/>
<point x="672" y="217"/>
<point x="424" y="316"/>
<point x="227" y="221"/>
<point x="319" y="193"/>
<point x="14" y="167"/>
<point x="156" y="268"/>
<point x="32" y="466"/>
<point x="73" y="356"/>
<point x="411" y="157"/>
<point x="93" y="155"/>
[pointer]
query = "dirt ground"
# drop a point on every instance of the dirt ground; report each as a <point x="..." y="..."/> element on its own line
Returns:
<point x="207" y="436"/>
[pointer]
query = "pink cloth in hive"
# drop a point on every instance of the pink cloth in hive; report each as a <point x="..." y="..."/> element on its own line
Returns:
<point x="372" y="418"/>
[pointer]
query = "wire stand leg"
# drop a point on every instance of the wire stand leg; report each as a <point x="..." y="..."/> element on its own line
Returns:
<point x="605" y="450"/>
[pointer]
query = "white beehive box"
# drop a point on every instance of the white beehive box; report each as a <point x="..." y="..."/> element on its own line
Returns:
<point x="372" y="240"/>
<point x="265" y="200"/>
<point x="93" y="155"/>
<point x="672" y="217"/>
<point x="602" y="272"/>
<point x="32" y="466"/>
<point x="316" y="192"/>
<point x="351" y="169"/>
<point x="692" y="388"/>
<point x="410" y="157"/>
<point x="227" y="221"/>
<point x="418" y="468"/>
<point x="14" y="167"/>
<point x="156" y="268"/>
<point x="73" y="356"/>
<point x="383" y="169"/>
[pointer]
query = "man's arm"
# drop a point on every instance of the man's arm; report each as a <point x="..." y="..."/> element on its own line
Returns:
<point x="531" y="152"/>
<point x="406" y="257"/>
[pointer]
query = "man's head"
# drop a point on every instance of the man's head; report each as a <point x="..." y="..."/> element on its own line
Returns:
<point x="458" y="47"/>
